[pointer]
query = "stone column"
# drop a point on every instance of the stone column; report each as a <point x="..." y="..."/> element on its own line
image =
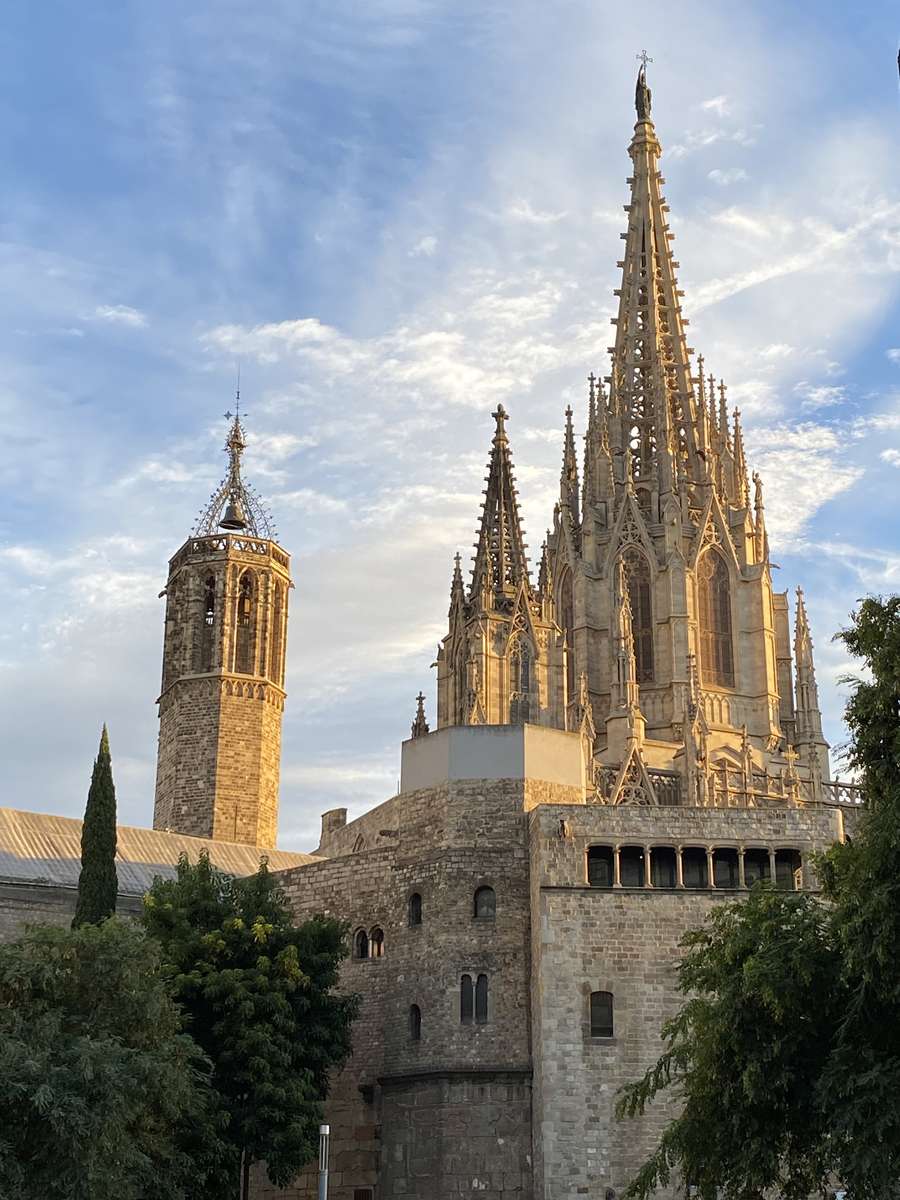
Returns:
<point x="742" y="882"/>
<point x="617" y="873"/>
<point x="648" y="880"/>
<point x="772" y="867"/>
<point x="710" y="874"/>
<point x="679" y="869"/>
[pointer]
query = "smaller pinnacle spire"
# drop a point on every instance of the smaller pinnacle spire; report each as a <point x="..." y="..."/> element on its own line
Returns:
<point x="740" y="463"/>
<point x="420" y="724"/>
<point x="723" y="413"/>
<point x="568" y="481"/>
<point x="500" y="560"/>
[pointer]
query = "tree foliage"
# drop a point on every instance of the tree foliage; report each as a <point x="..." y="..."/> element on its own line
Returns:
<point x="98" y="883"/>
<point x="98" y="1080"/>
<point x="785" y="1055"/>
<point x="259" y="994"/>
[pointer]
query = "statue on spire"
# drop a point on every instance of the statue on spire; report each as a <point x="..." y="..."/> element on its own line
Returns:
<point x="642" y="95"/>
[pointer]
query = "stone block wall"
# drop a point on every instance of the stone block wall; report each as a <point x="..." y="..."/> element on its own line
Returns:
<point x="23" y="904"/>
<point x="624" y="941"/>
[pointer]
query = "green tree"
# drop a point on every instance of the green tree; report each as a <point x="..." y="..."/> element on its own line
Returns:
<point x="98" y="1079"/>
<point x="98" y="883"/>
<point x="259" y="993"/>
<point x="786" y="1052"/>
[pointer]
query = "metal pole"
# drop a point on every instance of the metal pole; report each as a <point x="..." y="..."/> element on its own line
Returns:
<point x="324" y="1136"/>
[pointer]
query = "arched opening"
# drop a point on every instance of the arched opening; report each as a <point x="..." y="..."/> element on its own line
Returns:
<point x="756" y="866"/>
<point x="276" y="665"/>
<point x="208" y="623"/>
<point x="663" y="867"/>
<point x="485" y="906"/>
<point x="361" y="944"/>
<point x="600" y="866"/>
<point x="694" y="870"/>
<point x="726" y="873"/>
<point x="788" y="870"/>
<point x="466" y="1000"/>
<point x="714" y="614"/>
<point x="243" y="651"/>
<point x="566" y="604"/>
<point x="481" y="1000"/>
<point x="640" y="597"/>
<point x="376" y="943"/>
<point x="415" y="909"/>
<point x="601" y="1014"/>
<point x="415" y="1023"/>
<point x="631" y="866"/>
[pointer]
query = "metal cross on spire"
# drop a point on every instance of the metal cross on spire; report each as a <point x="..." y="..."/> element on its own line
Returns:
<point x="643" y="58"/>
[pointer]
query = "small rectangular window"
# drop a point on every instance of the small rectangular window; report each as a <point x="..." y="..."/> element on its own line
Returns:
<point x="601" y="1014"/>
<point x="466" y="1000"/>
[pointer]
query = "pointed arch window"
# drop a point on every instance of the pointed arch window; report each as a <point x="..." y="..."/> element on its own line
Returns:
<point x="462" y="684"/>
<point x="207" y="628"/>
<point x="243" y="654"/>
<point x="640" y="597"/>
<point x="714" y="605"/>
<point x="567" y="622"/>
<point x="521" y="661"/>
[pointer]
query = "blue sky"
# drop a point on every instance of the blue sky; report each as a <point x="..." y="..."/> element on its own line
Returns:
<point x="396" y="214"/>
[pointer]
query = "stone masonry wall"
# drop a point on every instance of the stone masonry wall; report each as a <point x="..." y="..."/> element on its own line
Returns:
<point x="36" y="904"/>
<point x="453" y="1107"/>
<point x="625" y="941"/>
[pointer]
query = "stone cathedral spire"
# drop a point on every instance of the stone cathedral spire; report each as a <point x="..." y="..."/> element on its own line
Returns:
<point x="222" y="697"/>
<point x="503" y="659"/>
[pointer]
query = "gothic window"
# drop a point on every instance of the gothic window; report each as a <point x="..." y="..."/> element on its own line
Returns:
<point x="243" y="654"/>
<point x="415" y="1023"/>
<point x="520" y="675"/>
<point x="462" y="685"/>
<point x="567" y="621"/>
<point x="415" y="909"/>
<point x="361" y="944"/>
<point x="276" y="669"/>
<point x="207" y="629"/>
<point x="376" y="943"/>
<point x="466" y="1000"/>
<point x="714" y="604"/>
<point x="600" y="866"/>
<point x="601" y="1014"/>
<point x="644" y="499"/>
<point x="637" y="573"/>
<point x="481" y="1000"/>
<point x="485" y="907"/>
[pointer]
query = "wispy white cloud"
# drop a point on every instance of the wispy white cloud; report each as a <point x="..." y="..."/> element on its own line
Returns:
<point x="727" y="176"/>
<point x="425" y="247"/>
<point x="718" y="105"/>
<point x="120" y="314"/>
<point x="891" y="456"/>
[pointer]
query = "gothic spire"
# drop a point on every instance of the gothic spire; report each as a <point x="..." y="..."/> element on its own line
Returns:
<point x="651" y="390"/>
<point x="234" y="506"/>
<point x="809" y="718"/>
<point x="500" y="560"/>
<point x="420" y="724"/>
<point x="742" y="482"/>
<point x="568" y="480"/>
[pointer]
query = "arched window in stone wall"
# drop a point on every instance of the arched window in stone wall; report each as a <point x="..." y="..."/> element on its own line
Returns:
<point x="276" y="667"/>
<point x="566" y="606"/>
<point x="640" y="597"/>
<point x="601" y="1014"/>
<point x="485" y="907"/>
<point x="244" y="622"/>
<point x="600" y="866"/>
<point x="521" y="663"/>
<point x="714" y="613"/>
<point x="466" y="1000"/>
<point x="415" y="909"/>
<point x="361" y="944"/>
<point x="481" y="1000"/>
<point x="207" y="623"/>
<point x="415" y="1023"/>
<point x="376" y="943"/>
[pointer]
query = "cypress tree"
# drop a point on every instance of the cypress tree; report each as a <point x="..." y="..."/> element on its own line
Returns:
<point x="98" y="882"/>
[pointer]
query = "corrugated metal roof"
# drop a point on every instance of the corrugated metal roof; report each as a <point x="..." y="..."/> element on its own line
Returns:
<point x="44" y="849"/>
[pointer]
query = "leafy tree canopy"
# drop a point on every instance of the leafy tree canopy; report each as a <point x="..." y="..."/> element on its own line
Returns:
<point x="97" y="1077"/>
<point x="259" y="994"/>
<point x="785" y="1055"/>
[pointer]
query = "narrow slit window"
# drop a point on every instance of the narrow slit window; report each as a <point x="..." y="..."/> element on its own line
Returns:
<point x="714" y="596"/>
<point x="466" y="1000"/>
<point x="481" y="1000"/>
<point x="415" y="909"/>
<point x="415" y="1023"/>
<point x="601" y="1014"/>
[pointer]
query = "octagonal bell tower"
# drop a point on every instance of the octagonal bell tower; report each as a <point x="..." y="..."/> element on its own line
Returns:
<point x="224" y="646"/>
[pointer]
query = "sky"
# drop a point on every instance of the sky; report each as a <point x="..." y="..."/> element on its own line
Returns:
<point x="394" y="215"/>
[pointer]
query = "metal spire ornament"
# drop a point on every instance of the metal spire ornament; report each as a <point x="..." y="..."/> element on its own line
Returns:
<point x="234" y="506"/>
